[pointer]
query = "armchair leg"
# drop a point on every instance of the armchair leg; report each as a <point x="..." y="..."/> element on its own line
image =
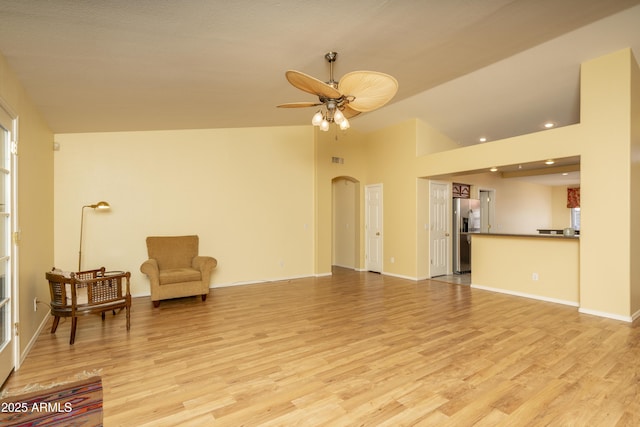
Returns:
<point x="56" y="320"/>
<point x="74" y="323"/>
<point x="156" y="303"/>
<point x="204" y="297"/>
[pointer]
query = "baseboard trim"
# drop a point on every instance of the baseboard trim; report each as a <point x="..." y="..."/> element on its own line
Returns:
<point x="255" y="282"/>
<point x="400" y="276"/>
<point x="627" y="319"/>
<point x="32" y="341"/>
<point x="526" y="295"/>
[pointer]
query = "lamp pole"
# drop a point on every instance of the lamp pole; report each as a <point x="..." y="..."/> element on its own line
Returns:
<point x="99" y="205"/>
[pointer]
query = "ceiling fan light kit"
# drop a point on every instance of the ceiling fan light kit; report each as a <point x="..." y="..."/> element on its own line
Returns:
<point x="357" y="92"/>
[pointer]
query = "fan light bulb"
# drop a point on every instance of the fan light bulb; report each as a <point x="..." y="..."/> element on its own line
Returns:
<point x="323" y="119"/>
<point x="317" y="119"/>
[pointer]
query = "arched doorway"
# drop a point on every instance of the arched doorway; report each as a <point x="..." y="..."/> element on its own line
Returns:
<point x="345" y="222"/>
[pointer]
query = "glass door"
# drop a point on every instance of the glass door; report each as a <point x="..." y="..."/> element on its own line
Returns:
<point x="7" y="339"/>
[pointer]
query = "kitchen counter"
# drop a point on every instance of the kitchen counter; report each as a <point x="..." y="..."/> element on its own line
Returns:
<point x="536" y="266"/>
<point x="544" y="236"/>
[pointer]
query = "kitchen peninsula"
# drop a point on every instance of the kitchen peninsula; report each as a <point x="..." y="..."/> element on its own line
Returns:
<point x="539" y="266"/>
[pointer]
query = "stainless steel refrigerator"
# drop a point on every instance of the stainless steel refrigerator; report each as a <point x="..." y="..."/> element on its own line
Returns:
<point x="466" y="220"/>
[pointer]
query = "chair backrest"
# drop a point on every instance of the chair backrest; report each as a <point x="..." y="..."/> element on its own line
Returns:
<point x="172" y="251"/>
<point x="59" y="287"/>
<point x="86" y="288"/>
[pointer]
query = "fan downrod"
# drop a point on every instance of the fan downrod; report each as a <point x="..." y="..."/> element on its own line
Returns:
<point x="331" y="58"/>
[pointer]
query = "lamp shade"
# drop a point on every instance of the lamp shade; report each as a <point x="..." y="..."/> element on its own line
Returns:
<point x="100" y="205"/>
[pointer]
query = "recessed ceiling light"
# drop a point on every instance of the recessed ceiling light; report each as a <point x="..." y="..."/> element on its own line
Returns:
<point x="549" y="162"/>
<point x="494" y="169"/>
<point x="565" y="174"/>
<point x="483" y="139"/>
<point x="549" y="125"/>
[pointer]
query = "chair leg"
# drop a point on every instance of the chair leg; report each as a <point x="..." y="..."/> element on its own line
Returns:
<point x="128" y="318"/>
<point x="127" y="307"/>
<point x="56" y="320"/>
<point x="74" y="323"/>
<point x="204" y="297"/>
<point x="156" y="304"/>
<point x="102" y="315"/>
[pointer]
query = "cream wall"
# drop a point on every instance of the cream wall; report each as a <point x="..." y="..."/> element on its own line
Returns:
<point x="35" y="205"/>
<point x="520" y="207"/>
<point x="560" y="213"/>
<point x="387" y="156"/>
<point x="391" y="156"/>
<point x="634" y="225"/>
<point x="603" y="140"/>
<point x="508" y="264"/>
<point x="248" y="194"/>
<point x="349" y="146"/>
<point x="605" y="263"/>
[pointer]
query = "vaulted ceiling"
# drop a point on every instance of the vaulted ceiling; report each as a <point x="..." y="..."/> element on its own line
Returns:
<point x="492" y="68"/>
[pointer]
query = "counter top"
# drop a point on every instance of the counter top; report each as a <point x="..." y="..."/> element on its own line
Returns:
<point x="554" y="231"/>
<point x="537" y="236"/>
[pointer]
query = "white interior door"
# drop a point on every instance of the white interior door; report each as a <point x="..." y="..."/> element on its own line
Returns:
<point x="8" y="306"/>
<point x="439" y="236"/>
<point x="373" y="227"/>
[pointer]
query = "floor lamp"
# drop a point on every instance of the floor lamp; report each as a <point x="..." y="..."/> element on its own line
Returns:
<point x="99" y="205"/>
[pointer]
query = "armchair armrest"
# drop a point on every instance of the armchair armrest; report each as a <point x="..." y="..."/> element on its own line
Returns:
<point x="205" y="264"/>
<point x="201" y="262"/>
<point x="150" y="268"/>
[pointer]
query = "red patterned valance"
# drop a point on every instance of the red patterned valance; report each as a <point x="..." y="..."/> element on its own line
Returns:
<point x="573" y="197"/>
<point x="461" y="191"/>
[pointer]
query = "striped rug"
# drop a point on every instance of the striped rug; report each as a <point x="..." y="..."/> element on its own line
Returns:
<point x="76" y="403"/>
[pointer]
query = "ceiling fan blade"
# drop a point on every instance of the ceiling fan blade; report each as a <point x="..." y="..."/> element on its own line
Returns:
<point x="370" y="89"/>
<point x="299" y="104"/>
<point x="349" y="112"/>
<point x="311" y="85"/>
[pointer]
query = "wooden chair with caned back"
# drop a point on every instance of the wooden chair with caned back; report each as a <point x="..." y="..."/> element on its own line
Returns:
<point x="88" y="292"/>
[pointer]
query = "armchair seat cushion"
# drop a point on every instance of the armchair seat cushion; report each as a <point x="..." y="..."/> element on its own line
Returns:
<point x="179" y="275"/>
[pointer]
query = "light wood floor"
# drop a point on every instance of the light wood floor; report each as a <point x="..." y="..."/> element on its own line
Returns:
<point x="352" y="349"/>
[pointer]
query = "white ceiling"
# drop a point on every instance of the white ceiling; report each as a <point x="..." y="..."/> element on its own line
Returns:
<point x="493" y="68"/>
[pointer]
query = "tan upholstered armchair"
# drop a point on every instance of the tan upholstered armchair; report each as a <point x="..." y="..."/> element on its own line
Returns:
<point x="175" y="269"/>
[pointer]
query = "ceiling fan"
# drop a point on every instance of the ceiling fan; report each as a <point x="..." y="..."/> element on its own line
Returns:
<point x="356" y="92"/>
